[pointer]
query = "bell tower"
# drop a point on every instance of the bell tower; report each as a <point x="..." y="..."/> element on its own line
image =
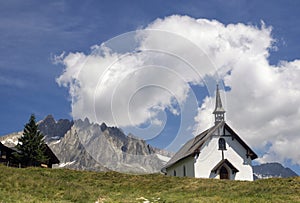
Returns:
<point x="219" y="111"/>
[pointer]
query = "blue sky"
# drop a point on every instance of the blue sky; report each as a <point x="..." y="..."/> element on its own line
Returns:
<point x="33" y="32"/>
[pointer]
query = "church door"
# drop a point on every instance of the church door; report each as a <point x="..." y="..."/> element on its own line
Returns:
<point x="224" y="173"/>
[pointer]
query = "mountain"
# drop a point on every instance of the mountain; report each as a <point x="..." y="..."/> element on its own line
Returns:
<point x="54" y="130"/>
<point x="270" y="170"/>
<point x="11" y="140"/>
<point x="88" y="146"/>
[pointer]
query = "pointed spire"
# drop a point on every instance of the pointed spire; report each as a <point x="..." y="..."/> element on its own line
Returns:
<point x="219" y="110"/>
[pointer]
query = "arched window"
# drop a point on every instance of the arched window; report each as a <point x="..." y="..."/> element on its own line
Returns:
<point x="222" y="144"/>
<point x="224" y="173"/>
<point x="174" y="172"/>
<point x="184" y="171"/>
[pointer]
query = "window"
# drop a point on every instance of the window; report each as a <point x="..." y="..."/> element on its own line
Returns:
<point x="184" y="171"/>
<point x="174" y="172"/>
<point x="222" y="144"/>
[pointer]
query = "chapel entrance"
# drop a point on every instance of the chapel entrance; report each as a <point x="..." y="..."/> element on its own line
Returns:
<point x="224" y="173"/>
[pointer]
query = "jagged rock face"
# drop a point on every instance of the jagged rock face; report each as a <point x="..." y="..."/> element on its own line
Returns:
<point x="87" y="146"/>
<point x="72" y="154"/>
<point x="54" y="130"/>
<point x="83" y="145"/>
<point x="270" y="170"/>
<point x="106" y="148"/>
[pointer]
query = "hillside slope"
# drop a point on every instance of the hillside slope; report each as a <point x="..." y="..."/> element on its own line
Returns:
<point x="64" y="185"/>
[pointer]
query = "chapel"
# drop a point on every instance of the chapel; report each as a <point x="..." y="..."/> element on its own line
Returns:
<point x="218" y="152"/>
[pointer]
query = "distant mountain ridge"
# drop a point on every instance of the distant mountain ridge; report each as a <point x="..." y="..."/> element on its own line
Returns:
<point x="272" y="170"/>
<point x="88" y="146"/>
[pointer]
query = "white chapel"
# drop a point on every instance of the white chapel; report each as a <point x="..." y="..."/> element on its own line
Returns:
<point x="218" y="152"/>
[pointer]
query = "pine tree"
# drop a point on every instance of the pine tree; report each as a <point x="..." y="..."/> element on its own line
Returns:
<point x="31" y="147"/>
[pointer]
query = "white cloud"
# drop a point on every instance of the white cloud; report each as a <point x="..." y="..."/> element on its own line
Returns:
<point x="132" y="87"/>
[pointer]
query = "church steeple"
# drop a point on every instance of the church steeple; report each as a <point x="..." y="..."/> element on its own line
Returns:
<point x="219" y="110"/>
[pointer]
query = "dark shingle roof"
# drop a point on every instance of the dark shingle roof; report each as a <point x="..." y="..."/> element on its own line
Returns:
<point x="194" y="144"/>
<point x="230" y="165"/>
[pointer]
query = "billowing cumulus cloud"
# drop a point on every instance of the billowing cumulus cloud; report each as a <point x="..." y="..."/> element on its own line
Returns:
<point x="131" y="79"/>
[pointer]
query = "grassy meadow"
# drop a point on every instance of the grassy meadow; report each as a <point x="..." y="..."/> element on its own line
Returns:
<point x="62" y="185"/>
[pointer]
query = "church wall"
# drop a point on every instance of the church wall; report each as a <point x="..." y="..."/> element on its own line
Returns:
<point x="179" y="168"/>
<point x="210" y="156"/>
<point x="237" y="153"/>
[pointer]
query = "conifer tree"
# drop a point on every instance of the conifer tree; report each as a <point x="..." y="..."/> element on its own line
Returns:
<point x="31" y="147"/>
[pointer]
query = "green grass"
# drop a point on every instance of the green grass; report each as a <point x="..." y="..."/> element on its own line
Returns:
<point x="61" y="185"/>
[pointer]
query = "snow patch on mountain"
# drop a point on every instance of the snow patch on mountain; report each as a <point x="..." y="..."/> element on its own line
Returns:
<point x="10" y="142"/>
<point x="163" y="158"/>
<point x="61" y="165"/>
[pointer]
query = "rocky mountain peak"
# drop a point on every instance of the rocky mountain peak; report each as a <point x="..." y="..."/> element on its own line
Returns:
<point x="98" y="147"/>
<point x="49" y="119"/>
<point x="90" y="146"/>
<point x="53" y="129"/>
<point x="131" y="136"/>
<point x="103" y="127"/>
<point x="269" y="170"/>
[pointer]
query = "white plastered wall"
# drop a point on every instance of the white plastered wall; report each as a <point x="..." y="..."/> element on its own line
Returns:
<point x="178" y="167"/>
<point x="210" y="156"/>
